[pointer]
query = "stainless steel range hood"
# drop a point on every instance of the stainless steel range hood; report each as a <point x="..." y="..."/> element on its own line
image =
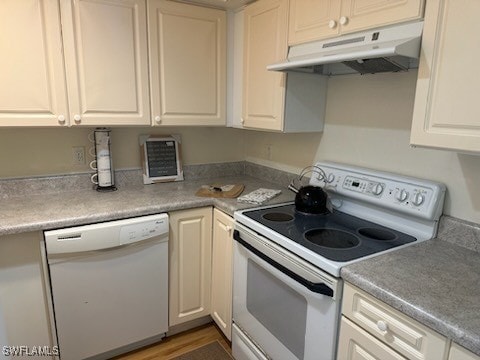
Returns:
<point x="394" y="48"/>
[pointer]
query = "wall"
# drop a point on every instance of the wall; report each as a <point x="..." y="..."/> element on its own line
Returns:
<point x="368" y="121"/>
<point x="30" y="152"/>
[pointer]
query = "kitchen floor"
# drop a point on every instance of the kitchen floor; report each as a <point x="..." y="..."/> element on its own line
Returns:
<point x="179" y="344"/>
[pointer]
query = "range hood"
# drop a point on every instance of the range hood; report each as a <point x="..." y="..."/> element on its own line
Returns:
<point x="394" y="48"/>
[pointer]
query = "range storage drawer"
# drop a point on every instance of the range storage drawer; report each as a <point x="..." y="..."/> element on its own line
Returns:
<point x="408" y="337"/>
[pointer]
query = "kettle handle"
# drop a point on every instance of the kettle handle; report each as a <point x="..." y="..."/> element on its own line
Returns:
<point x="293" y="188"/>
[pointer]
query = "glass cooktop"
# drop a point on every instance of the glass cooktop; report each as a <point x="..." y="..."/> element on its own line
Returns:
<point x="336" y="236"/>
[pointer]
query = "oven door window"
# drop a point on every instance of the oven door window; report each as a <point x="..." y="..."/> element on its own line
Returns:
<point x="277" y="316"/>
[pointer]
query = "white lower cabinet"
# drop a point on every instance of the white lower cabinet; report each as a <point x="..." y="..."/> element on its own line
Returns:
<point x="459" y="353"/>
<point x="24" y="297"/>
<point x="355" y="343"/>
<point x="371" y="327"/>
<point x="190" y="250"/>
<point x="222" y="268"/>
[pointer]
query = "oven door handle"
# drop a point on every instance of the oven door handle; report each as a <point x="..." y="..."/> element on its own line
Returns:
<point x="319" y="288"/>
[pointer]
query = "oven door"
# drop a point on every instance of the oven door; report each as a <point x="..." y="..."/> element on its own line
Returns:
<point x="286" y="306"/>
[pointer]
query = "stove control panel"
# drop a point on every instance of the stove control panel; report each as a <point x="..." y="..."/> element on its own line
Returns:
<point x="363" y="186"/>
<point x="418" y="197"/>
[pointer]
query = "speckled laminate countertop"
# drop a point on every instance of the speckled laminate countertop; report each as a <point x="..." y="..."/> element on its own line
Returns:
<point x="435" y="282"/>
<point x="64" y="209"/>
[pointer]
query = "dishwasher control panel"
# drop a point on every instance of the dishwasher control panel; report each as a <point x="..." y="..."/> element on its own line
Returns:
<point x="143" y="231"/>
<point x="106" y="235"/>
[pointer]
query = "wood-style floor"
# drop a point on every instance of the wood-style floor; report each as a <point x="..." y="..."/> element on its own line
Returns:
<point x="176" y="345"/>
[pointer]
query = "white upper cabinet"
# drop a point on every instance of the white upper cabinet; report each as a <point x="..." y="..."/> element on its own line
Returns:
<point x="268" y="103"/>
<point x="319" y="19"/>
<point x="187" y="47"/>
<point x="265" y="42"/>
<point x="105" y="44"/>
<point x="446" y="114"/>
<point x="32" y="78"/>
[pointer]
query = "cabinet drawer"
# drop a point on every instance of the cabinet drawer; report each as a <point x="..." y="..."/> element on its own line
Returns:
<point x="356" y="344"/>
<point x="410" y="338"/>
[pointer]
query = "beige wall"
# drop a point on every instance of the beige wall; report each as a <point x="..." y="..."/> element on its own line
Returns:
<point x="30" y="152"/>
<point x="368" y="122"/>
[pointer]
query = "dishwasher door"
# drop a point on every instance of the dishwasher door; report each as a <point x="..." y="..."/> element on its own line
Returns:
<point x="109" y="285"/>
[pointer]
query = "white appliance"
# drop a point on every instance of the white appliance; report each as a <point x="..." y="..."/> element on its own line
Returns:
<point x="109" y="286"/>
<point x="287" y="285"/>
<point x="378" y="50"/>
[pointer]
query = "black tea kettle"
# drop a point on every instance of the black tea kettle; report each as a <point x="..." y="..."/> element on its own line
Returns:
<point x="310" y="199"/>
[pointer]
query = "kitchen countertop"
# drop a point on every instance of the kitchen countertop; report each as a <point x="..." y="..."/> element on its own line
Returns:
<point x="434" y="282"/>
<point x="64" y="209"/>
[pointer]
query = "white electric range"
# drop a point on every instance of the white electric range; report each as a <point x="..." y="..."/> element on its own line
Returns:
<point x="287" y="285"/>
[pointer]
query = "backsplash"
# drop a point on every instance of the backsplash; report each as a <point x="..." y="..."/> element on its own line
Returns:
<point x="459" y="232"/>
<point x="123" y="178"/>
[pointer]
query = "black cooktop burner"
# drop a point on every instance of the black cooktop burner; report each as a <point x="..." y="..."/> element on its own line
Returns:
<point x="336" y="236"/>
<point x="332" y="238"/>
<point x="277" y="217"/>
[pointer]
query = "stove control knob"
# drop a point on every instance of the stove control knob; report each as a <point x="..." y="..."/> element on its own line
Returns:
<point x="402" y="195"/>
<point x="330" y="178"/>
<point x="418" y="199"/>
<point x="377" y="189"/>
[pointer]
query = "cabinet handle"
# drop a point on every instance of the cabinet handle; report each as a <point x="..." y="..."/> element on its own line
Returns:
<point x="77" y="118"/>
<point x="382" y="325"/>
<point x="61" y="119"/>
<point x="332" y="24"/>
<point x="229" y="229"/>
<point x="242" y="121"/>
<point x="343" y="20"/>
<point x="158" y="119"/>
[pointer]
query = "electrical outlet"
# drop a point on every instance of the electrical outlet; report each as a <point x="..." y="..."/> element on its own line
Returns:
<point x="78" y="155"/>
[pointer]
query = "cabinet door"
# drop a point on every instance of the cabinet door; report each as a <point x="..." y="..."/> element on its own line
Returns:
<point x="105" y="45"/>
<point x="265" y="42"/>
<point x="460" y="353"/>
<point x="312" y="20"/>
<point x="446" y="114"/>
<point x="187" y="47"/>
<point x="25" y="311"/>
<point x="190" y="250"/>
<point x="32" y="77"/>
<point x="364" y="14"/>
<point x="355" y="343"/>
<point x="222" y="248"/>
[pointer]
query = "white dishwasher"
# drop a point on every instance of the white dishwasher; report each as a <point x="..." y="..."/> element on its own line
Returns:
<point x="109" y="285"/>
